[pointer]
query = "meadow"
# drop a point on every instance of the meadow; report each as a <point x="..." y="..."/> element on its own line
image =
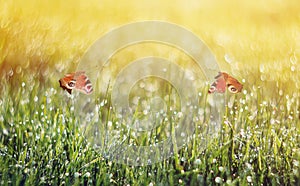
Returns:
<point x="41" y="139"/>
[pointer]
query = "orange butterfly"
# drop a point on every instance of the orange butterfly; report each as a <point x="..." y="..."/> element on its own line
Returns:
<point x="224" y="80"/>
<point x="77" y="80"/>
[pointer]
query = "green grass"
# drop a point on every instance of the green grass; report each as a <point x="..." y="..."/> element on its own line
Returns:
<point x="42" y="143"/>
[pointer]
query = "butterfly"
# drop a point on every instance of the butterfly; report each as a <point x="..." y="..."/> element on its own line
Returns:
<point x="77" y="80"/>
<point x="224" y="80"/>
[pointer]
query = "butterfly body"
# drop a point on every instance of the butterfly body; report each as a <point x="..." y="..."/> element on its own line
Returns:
<point x="77" y="80"/>
<point x="223" y="81"/>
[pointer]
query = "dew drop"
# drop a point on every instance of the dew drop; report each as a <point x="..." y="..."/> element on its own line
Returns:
<point x="296" y="163"/>
<point x="228" y="59"/>
<point x="87" y="174"/>
<point x="262" y="68"/>
<point x="221" y="169"/>
<point x="12" y="110"/>
<point x="5" y="131"/>
<point x="249" y="179"/>
<point x="293" y="68"/>
<point x="197" y="162"/>
<point x="77" y="174"/>
<point x="218" y="180"/>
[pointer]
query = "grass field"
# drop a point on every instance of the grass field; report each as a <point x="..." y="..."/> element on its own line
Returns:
<point x="41" y="142"/>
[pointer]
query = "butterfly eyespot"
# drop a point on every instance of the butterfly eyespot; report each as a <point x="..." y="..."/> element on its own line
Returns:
<point x="71" y="84"/>
<point x="212" y="89"/>
<point x="78" y="81"/>
<point x="232" y="89"/>
<point x="223" y="81"/>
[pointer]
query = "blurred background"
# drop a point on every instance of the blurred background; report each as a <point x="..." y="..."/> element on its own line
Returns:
<point x="257" y="41"/>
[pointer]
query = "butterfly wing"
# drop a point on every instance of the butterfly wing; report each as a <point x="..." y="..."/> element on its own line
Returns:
<point x="78" y="81"/>
<point x="233" y="85"/>
<point x="83" y="84"/>
<point x="224" y="80"/>
<point x="67" y="82"/>
<point x="219" y="85"/>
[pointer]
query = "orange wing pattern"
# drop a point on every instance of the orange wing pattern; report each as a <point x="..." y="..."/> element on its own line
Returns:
<point x="78" y="81"/>
<point x="224" y="80"/>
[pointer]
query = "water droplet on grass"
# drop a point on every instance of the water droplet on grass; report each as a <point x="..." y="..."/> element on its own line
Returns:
<point x="221" y="169"/>
<point x="249" y="179"/>
<point x="145" y="112"/>
<point x="48" y="100"/>
<point x="87" y="174"/>
<point x="248" y="166"/>
<point x="296" y="163"/>
<point x="12" y="110"/>
<point x="5" y="132"/>
<point x="293" y="68"/>
<point x="228" y="58"/>
<point x="197" y="162"/>
<point x="262" y="68"/>
<point x="218" y="180"/>
<point x="77" y="174"/>
<point x="180" y="181"/>
<point x="280" y="92"/>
